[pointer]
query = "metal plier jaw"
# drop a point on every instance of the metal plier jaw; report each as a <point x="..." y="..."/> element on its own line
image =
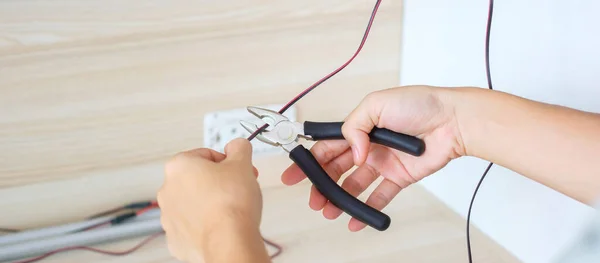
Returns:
<point x="283" y="132"/>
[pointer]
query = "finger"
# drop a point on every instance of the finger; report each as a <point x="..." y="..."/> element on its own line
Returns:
<point x="316" y="200"/>
<point x="165" y="223"/>
<point x="160" y="197"/>
<point x="207" y="154"/>
<point x="292" y="175"/>
<point x="180" y="161"/>
<point x="174" y="247"/>
<point x="358" y="124"/>
<point x="355" y="184"/>
<point x="171" y="236"/>
<point x="323" y="151"/>
<point x="239" y="149"/>
<point x="379" y="199"/>
<point x="389" y="166"/>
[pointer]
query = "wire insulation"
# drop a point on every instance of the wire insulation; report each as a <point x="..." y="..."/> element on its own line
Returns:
<point x="150" y="206"/>
<point x="277" y="247"/>
<point x="469" y="213"/>
<point x="127" y="251"/>
<point x="100" y="251"/>
<point x="131" y="206"/>
<point x="322" y="80"/>
<point x="9" y="230"/>
<point x="489" y="81"/>
<point x="146" y="209"/>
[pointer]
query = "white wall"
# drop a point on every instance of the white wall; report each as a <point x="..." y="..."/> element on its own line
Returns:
<point x="546" y="50"/>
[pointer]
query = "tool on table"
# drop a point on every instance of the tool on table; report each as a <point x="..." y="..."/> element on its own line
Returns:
<point x="285" y="133"/>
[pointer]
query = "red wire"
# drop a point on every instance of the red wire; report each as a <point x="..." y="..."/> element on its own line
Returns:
<point x="137" y="213"/>
<point x="100" y="251"/>
<point x="275" y="245"/>
<point x="319" y="82"/>
<point x="128" y="251"/>
<point x="360" y="47"/>
<point x="144" y="210"/>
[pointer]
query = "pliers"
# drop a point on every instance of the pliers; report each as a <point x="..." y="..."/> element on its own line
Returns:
<point x="285" y="133"/>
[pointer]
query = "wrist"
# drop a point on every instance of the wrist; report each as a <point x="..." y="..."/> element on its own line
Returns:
<point x="487" y="120"/>
<point x="471" y="107"/>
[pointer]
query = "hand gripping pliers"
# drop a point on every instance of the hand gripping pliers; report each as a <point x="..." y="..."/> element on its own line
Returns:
<point x="285" y="133"/>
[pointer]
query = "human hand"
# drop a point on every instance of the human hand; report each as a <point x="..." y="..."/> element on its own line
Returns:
<point x="205" y="191"/>
<point x="422" y="111"/>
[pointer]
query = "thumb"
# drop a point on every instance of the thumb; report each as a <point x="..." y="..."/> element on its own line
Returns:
<point x="239" y="149"/>
<point x="357" y="127"/>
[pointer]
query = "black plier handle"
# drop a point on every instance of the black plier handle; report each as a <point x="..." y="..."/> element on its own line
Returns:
<point x="285" y="133"/>
<point x="399" y="141"/>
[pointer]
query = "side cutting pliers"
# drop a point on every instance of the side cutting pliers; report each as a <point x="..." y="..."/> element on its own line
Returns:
<point x="285" y="133"/>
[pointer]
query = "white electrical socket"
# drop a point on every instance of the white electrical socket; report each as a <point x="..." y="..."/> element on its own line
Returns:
<point x="220" y="127"/>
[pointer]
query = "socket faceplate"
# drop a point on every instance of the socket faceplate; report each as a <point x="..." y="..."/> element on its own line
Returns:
<point x="220" y="127"/>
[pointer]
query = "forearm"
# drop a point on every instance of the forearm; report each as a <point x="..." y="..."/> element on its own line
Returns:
<point x="238" y="242"/>
<point x="553" y="145"/>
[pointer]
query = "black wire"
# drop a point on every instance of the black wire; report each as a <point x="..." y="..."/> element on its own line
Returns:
<point x="108" y="212"/>
<point x="131" y="206"/>
<point x="469" y="213"/>
<point x="318" y="83"/>
<point x="489" y="81"/>
<point x="487" y="44"/>
<point x="8" y="230"/>
<point x="321" y="81"/>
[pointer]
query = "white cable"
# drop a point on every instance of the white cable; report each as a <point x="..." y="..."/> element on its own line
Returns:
<point x="52" y="231"/>
<point x="152" y="213"/>
<point x="86" y="238"/>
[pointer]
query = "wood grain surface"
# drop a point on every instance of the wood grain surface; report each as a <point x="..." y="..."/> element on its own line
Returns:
<point x="96" y="95"/>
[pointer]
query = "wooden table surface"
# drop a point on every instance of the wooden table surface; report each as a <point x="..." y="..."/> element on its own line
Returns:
<point x="96" y="95"/>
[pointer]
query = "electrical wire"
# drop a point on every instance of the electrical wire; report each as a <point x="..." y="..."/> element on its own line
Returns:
<point x="100" y="251"/>
<point x="319" y="82"/>
<point x="117" y="220"/>
<point x="114" y="221"/>
<point x="146" y="209"/>
<point x="127" y="251"/>
<point x="275" y="245"/>
<point x="488" y="32"/>
<point x="142" y="207"/>
<point x="9" y="230"/>
<point x="489" y="81"/>
<point x="131" y="206"/>
<point x="99" y="225"/>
